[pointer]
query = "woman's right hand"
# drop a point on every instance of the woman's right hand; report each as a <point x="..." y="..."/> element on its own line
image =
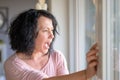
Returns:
<point x="92" y="61"/>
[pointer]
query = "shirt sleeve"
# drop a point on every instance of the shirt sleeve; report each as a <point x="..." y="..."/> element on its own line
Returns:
<point x="61" y="64"/>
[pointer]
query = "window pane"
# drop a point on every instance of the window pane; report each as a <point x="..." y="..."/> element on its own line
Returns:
<point x="115" y="19"/>
<point x="90" y="24"/>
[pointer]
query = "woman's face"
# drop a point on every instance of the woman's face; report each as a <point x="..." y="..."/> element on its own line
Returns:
<point x="45" y="35"/>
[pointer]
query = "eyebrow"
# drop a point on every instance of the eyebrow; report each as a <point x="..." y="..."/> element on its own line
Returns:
<point x="47" y="28"/>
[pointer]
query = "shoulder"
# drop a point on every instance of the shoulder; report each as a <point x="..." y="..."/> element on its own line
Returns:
<point x="10" y="60"/>
<point x="60" y="62"/>
<point x="12" y="63"/>
<point x="57" y="54"/>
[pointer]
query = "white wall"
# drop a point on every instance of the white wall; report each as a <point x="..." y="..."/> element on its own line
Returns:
<point x="16" y="6"/>
<point x="59" y="8"/>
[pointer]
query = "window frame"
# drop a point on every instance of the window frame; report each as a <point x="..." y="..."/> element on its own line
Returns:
<point x="76" y="23"/>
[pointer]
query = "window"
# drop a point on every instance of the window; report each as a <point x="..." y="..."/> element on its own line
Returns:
<point x="108" y="34"/>
<point x="82" y="32"/>
<point x="90" y="23"/>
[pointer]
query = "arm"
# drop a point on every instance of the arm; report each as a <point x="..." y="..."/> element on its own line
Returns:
<point x="74" y="76"/>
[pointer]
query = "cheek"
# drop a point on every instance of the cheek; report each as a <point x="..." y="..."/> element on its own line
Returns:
<point x="40" y="39"/>
<point x="39" y="43"/>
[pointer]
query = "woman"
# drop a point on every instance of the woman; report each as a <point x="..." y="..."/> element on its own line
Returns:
<point x="32" y="35"/>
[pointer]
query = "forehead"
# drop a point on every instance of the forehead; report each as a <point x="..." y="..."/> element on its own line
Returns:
<point x="44" y="21"/>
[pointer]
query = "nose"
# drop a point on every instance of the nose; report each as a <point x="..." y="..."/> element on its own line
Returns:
<point x="51" y="35"/>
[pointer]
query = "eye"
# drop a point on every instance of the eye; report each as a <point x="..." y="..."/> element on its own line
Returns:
<point x="45" y="30"/>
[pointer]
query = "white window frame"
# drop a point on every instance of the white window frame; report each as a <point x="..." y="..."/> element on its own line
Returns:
<point x="77" y="42"/>
<point x="76" y="31"/>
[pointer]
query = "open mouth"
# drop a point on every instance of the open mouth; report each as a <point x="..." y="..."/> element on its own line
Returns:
<point x="47" y="45"/>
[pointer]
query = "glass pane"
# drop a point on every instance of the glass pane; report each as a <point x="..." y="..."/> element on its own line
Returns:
<point x="90" y="24"/>
<point x="90" y="31"/>
<point x="115" y="30"/>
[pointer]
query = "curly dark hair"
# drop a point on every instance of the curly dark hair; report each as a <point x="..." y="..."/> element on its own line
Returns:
<point x="23" y="30"/>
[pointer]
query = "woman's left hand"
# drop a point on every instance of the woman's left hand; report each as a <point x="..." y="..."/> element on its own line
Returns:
<point x="92" y="61"/>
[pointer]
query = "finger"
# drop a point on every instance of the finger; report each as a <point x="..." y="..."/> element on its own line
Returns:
<point x="94" y="46"/>
<point x="92" y="58"/>
<point x="92" y="52"/>
<point x="93" y="64"/>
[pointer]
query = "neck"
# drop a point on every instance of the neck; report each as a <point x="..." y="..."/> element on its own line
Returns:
<point x="38" y="55"/>
<point x="34" y="56"/>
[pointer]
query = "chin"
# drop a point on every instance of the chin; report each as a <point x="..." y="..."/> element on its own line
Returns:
<point x="45" y="51"/>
